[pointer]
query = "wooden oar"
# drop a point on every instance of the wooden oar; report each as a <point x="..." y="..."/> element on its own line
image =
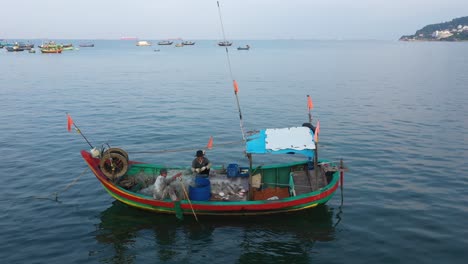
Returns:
<point x="188" y="199"/>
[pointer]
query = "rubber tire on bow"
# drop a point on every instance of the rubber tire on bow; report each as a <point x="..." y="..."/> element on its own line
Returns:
<point x="117" y="150"/>
<point x="120" y="165"/>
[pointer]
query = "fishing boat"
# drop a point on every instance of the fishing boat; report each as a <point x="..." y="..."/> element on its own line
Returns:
<point x="67" y="46"/>
<point x="14" y="48"/>
<point x="179" y="45"/>
<point x="228" y="189"/>
<point x="246" y="47"/>
<point x="249" y="190"/>
<point x="86" y="45"/>
<point x="143" y="43"/>
<point x="224" y="43"/>
<point x="51" y="47"/>
<point x="189" y="43"/>
<point x="165" y="42"/>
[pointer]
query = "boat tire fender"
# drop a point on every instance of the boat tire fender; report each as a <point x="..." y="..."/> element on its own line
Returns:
<point x="113" y="165"/>
<point x="118" y="151"/>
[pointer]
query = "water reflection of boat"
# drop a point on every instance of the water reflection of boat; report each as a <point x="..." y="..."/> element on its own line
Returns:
<point x="126" y="231"/>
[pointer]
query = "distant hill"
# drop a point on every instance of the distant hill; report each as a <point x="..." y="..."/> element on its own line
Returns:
<point x="455" y="30"/>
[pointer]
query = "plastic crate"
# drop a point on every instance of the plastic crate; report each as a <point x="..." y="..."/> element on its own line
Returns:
<point x="232" y="170"/>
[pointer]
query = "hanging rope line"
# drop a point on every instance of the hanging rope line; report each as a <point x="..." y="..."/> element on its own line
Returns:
<point x="236" y="89"/>
<point x="56" y="194"/>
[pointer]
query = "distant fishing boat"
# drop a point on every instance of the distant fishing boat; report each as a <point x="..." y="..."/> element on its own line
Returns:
<point x="224" y="43"/>
<point x="179" y="45"/>
<point x="165" y="42"/>
<point x="246" y="47"/>
<point x="14" y="48"/>
<point x="67" y="46"/>
<point x="86" y="45"/>
<point x="143" y="43"/>
<point x="188" y="43"/>
<point x="51" y="47"/>
<point x="32" y="51"/>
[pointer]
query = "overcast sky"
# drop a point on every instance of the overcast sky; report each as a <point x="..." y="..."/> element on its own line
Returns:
<point x="242" y="19"/>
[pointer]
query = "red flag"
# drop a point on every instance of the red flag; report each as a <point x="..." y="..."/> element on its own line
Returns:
<point x="236" y="88"/>
<point x="210" y="143"/>
<point x="317" y="131"/>
<point x="310" y="105"/>
<point x="69" y="122"/>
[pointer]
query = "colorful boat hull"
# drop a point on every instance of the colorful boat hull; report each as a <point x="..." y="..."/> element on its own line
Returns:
<point x="221" y="208"/>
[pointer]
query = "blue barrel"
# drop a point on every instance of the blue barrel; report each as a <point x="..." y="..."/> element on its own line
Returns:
<point x="201" y="182"/>
<point x="200" y="193"/>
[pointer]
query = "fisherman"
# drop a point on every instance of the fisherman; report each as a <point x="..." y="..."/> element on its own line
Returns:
<point x="201" y="165"/>
<point x="162" y="186"/>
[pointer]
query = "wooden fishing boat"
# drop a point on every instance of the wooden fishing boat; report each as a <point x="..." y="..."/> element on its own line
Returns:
<point x="51" y="49"/>
<point x="268" y="189"/>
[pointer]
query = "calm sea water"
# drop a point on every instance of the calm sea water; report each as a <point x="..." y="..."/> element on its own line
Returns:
<point x="395" y="112"/>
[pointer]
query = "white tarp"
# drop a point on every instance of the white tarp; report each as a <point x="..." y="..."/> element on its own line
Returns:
<point x="297" y="138"/>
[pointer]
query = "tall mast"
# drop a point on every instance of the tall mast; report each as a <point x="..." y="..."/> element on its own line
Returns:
<point x="234" y="82"/>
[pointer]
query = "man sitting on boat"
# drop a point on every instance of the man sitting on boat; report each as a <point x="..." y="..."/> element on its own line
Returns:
<point x="201" y="165"/>
<point x="163" y="187"/>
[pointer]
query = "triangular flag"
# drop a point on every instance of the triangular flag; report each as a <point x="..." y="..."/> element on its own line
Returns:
<point x="317" y="131"/>
<point x="210" y="143"/>
<point x="69" y="122"/>
<point x="310" y="105"/>
<point x="236" y="87"/>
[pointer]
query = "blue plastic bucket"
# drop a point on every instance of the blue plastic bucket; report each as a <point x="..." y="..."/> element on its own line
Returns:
<point x="200" y="193"/>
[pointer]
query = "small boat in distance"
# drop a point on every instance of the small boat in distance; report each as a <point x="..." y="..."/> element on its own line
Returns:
<point x="165" y="42"/>
<point x="179" y="45"/>
<point x="67" y="46"/>
<point x="247" y="47"/>
<point x="143" y="43"/>
<point x="32" y="50"/>
<point x="51" y="47"/>
<point x="224" y="43"/>
<point x="188" y="43"/>
<point x="86" y="45"/>
<point x="14" y="48"/>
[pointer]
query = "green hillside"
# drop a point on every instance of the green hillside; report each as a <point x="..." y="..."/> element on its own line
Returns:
<point x="455" y="30"/>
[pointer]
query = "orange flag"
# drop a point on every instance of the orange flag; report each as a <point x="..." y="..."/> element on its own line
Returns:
<point x="310" y="105"/>
<point x="210" y="143"/>
<point x="236" y="88"/>
<point x="69" y="122"/>
<point x="317" y="131"/>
